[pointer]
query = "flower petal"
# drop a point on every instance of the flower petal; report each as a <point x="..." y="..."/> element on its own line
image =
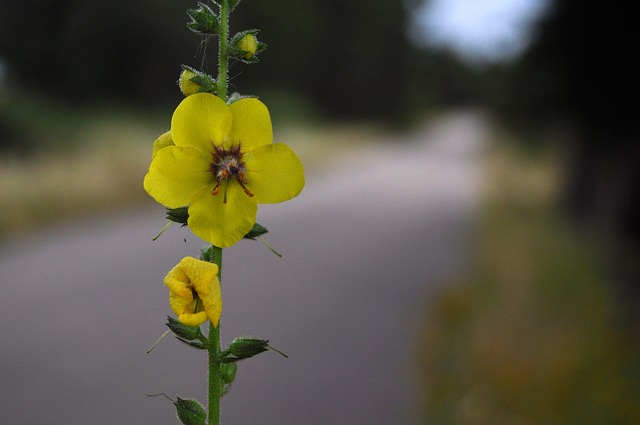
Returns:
<point x="200" y="121"/>
<point x="193" y="319"/>
<point x="194" y="276"/>
<point x="161" y="142"/>
<point x="251" y="124"/>
<point x="223" y="224"/>
<point x="176" y="174"/>
<point x="274" y="173"/>
<point x="208" y="289"/>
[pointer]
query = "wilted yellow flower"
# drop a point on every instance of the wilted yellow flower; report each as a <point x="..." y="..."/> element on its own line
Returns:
<point x="220" y="162"/>
<point x="194" y="292"/>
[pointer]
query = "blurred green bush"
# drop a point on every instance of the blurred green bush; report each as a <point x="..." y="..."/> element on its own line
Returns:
<point x="532" y="335"/>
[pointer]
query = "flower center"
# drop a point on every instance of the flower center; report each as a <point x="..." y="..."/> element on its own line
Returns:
<point x="228" y="165"/>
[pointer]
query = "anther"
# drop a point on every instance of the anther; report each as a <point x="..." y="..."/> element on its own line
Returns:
<point x="247" y="191"/>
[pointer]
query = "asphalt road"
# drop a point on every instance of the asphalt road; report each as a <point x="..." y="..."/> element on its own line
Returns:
<point x="365" y="244"/>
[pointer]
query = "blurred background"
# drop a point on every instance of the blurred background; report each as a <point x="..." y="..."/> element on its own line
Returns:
<point x="503" y="135"/>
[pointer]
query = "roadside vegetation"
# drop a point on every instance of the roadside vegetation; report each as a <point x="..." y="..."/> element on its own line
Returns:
<point x="531" y="335"/>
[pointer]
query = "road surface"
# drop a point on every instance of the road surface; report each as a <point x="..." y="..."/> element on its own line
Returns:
<point x="372" y="234"/>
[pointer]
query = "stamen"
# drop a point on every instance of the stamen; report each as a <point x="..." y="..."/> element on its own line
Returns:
<point x="227" y="164"/>
<point x="197" y="304"/>
<point x="247" y="191"/>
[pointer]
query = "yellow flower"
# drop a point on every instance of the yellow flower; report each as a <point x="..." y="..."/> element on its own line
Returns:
<point x="222" y="163"/>
<point x="194" y="292"/>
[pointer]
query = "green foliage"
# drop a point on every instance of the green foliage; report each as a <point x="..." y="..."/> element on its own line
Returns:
<point x="227" y="376"/>
<point x="530" y="336"/>
<point x="189" y="335"/>
<point x="334" y="53"/>
<point x="256" y="231"/>
<point x="190" y="412"/>
<point x="203" y="20"/>
<point x="244" y="348"/>
<point x="178" y="215"/>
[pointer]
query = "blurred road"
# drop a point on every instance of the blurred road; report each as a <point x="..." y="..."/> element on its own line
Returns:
<point x="371" y="235"/>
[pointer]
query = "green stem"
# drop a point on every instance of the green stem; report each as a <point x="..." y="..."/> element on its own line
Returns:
<point x="215" y="385"/>
<point x="223" y="50"/>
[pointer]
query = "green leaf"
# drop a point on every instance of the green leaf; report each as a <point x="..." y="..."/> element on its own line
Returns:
<point x="243" y="348"/>
<point x="193" y="344"/>
<point x="256" y="231"/>
<point x="190" y="412"/>
<point x="178" y="215"/>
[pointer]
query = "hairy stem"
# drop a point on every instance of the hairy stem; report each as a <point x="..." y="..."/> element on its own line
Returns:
<point x="223" y="50"/>
<point x="215" y="385"/>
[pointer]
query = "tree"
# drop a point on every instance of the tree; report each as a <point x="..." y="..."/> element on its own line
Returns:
<point x="351" y="58"/>
<point x="583" y="71"/>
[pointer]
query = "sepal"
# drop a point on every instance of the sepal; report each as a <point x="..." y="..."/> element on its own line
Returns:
<point x="178" y="215"/>
<point x="194" y="344"/>
<point x="206" y="254"/>
<point x="256" y="231"/>
<point x="189" y="335"/>
<point x="235" y="96"/>
<point x="203" y="20"/>
<point x="183" y="331"/>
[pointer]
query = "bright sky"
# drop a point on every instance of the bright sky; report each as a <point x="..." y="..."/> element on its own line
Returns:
<point x="480" y="30"/>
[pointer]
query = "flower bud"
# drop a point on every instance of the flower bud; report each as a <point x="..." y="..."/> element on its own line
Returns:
<point x="188" y="87"/>
<point x="161" y="142"/>
<point x="249" y="45"/>
<point x="228" y="372"/>
<point x="243" y="348"/>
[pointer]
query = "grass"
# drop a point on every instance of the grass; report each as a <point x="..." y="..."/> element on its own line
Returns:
<point x="77" y="161"/>
<point x="529" y="336"/>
